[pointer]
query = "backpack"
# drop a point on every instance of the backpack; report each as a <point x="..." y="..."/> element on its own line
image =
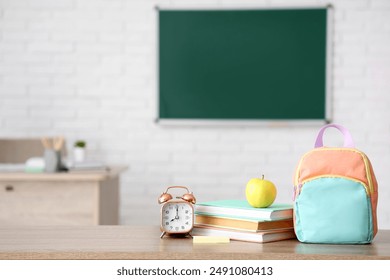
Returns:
<point x="335" y="194"/>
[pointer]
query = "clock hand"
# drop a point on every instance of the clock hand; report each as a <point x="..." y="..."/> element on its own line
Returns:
<point x="177" y="212"/>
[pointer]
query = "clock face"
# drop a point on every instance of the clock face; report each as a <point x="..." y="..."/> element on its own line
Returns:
<point x="177" y="217"/>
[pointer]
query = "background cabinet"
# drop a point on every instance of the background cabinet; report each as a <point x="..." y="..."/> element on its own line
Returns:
<point x="82" y="198"/>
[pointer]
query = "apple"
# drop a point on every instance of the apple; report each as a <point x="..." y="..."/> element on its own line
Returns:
<point x="260" y="193"/>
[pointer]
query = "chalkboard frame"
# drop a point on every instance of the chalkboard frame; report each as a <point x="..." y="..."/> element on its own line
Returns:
<point x="255" y="121"/>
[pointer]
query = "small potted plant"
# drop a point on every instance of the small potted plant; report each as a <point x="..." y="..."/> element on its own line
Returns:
<point x="79" y="150"/>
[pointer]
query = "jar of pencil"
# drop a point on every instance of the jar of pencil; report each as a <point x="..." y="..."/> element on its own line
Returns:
<point x="52" y="153"/>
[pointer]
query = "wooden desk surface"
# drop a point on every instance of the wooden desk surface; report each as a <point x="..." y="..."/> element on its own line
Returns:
<point x="84" y="175"/>
<point x="143" y="242"/>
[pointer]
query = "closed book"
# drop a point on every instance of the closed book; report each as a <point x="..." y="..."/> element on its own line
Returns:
<point x="243" y="224"/>
<point x="87" y="166"/>
<point x="259" y="237"/>
<point x="242" y="209"/>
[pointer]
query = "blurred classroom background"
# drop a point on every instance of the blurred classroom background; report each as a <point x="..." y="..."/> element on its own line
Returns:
<point x="87" y="69"/>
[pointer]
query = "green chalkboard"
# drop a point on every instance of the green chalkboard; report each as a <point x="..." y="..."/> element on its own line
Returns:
<point x="242" y="64"/>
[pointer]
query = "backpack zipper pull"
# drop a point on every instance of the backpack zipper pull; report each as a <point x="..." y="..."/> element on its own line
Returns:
<point x="295" y="191"/>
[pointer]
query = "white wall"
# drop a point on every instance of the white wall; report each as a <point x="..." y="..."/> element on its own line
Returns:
<point x="86" y="69"/>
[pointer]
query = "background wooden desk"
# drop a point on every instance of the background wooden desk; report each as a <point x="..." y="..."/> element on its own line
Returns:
<point x="127" y="242"/>
<point x="78" y="198"/>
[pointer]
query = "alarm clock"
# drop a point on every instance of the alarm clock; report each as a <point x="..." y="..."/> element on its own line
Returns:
<point x="177" y="215"/>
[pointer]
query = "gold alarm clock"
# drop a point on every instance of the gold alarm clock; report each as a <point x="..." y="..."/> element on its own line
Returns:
<point x="177" y="215"/>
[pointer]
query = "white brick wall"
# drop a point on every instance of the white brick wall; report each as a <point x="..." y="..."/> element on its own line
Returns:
<point x="86" y="69"/>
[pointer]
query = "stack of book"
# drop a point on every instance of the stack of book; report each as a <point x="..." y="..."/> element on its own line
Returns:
<point x="238" y="220"/>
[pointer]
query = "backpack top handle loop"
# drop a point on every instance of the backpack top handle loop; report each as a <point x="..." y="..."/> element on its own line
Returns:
<point x="348" y="142"/>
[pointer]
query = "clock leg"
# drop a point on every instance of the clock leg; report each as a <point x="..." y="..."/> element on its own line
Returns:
<point x="190" y="235"/>
<point x="162" y="234"/>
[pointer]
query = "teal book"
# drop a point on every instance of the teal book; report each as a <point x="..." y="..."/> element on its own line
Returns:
<point x="243" y="210"/>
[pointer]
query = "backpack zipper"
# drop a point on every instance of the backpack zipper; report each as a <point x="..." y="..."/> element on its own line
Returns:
<point x="299" y="188"/>
<point x="368" y="172"/>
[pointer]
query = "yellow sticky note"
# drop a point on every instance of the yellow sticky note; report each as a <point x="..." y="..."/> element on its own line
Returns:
<point x="210" y="239"/>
